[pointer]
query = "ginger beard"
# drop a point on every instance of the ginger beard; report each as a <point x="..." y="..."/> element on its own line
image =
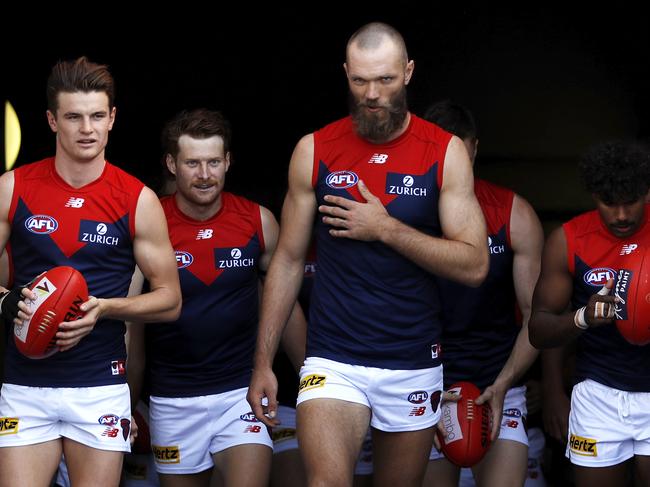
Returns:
<point x="378" y="127"/>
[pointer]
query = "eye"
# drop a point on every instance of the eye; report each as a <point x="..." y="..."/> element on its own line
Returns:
<point x="99" y="115"/>
<point x="214" y="162"/>
<point x="386" y="79"/>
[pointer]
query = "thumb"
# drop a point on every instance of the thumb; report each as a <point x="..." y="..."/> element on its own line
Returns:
<point x="605" y="290"/>
<point x="365" y="192"/>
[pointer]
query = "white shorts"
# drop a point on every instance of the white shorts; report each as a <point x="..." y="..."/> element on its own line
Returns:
<point x="512" y="420"/>
<point x="187" y="431"/>
<point x="98" y="417"/>
<point x="607" y="426"/>
<point x="285" y="439"/>
<point x="400" y="400"/>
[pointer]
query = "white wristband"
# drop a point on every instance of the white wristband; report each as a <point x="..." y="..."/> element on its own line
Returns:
<point x="579" y="319"/>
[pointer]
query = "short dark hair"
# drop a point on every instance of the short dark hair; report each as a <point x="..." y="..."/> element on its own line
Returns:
<point x="371" y="35"/>
<point x="78" y="75"/>
<point x="453" y="118"/>
<point x="199" y="124"/>
<point x="616" y="171"/>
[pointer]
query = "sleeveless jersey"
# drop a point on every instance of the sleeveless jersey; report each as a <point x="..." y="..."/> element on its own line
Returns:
<point x="371" y="306"/>
<point x="603" y="354"/>
<point x="480" y="324"/>
<point x="209" y="349"/>
<point x="91" y="229"/>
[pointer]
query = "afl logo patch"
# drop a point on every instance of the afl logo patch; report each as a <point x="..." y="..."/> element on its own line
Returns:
<point x="42" y="224"/>
<point x="599" y="276"/>
<point x="341" y="179"/>
<point x="183" y="259"/>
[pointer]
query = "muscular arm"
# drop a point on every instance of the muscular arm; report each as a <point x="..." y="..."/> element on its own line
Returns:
<point x="461" y="255"/>
<point x="552" y="324"/>
<point x="6" y="193"/>
<point x="284" y="276"/>
<point x="527" y="240"/>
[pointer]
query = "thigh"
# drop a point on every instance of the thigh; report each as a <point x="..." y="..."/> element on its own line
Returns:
<point x="400" y="458"/>
<point x="490" y="470"/>
<point x="330" y="435"/>
<point x="235" y="463"/>
<point x="201" y="479"/>
<point x="288" y="470"/>
<point x="441" y="472"/>
<point x="92" y="467"/>
<point x="33" y="465"/>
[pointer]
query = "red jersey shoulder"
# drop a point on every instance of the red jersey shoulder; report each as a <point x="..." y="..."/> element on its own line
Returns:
<point x="496" y="203"/>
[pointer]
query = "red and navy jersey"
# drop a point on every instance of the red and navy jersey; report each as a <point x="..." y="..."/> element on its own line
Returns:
<point x="593" y="256"/>
<point x="480" y="324"/>
<point x="209" y="349"/>
<point x="91" y="229"/>
<point x="371" y="306"/>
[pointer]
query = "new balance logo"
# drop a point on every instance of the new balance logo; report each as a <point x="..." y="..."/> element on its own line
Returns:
<point x="204" y="234"/>
<point x="74" y="202"/>
<point x="628" y="249"/>
<point x="418" y="411"/>
<point x="378" y="159"/>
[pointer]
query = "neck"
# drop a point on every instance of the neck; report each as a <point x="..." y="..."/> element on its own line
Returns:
<point x="76" y="173"/>
<point x="197" y="212"/>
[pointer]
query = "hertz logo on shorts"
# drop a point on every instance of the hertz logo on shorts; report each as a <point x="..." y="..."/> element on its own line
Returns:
<point x="583" y="446"/>
<point x="8" y="426"/>
<point x="166" y="454"/>
<point x="283" y="435"/>
<point x="311" y="382"/>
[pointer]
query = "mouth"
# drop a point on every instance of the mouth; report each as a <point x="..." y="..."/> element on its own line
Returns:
<point x="86" y="141"/>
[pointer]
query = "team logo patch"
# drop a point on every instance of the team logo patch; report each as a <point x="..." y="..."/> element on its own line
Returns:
<point x="599" y="276"/>
<point x="513" y="413"/>
<point x="341" y="179"/>
<point x="311" y="382"/>
<point x="583" y="446"/>
<point x="435" y="400"/>
<point x="418" y="397"/>
<point x="118" y="367"/>
<point x="126" y="428"/>
<point x="8" y="426"/>
<point x="109" y="419"/>
<point x="41" y="224"/>
<point x="250" y="417"/>
<point x="283" y="435"/>
<point x="183" y="259"/>
<point x="166" y="454"/>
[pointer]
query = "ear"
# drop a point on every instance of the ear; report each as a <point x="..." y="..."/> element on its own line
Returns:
<point x="475" y="149"/>
<point x="410" y="66"/>
<point x="111" y="118"/>
<point x="345" y="68"/>
<point x="227" y="161"/>
<point x="51" y="120"/>
<point x="171" y="164"/>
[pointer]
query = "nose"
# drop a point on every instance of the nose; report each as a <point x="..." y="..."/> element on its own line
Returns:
<point x="203" y="170"/>
<point x="372" y="91"/>
<point x="622" y="212"/>
<point x="86" y="127"/>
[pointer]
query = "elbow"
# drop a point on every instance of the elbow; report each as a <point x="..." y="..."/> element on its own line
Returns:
<point x="479" y="272"/>
<point x="173" y="310"/>
<point x="534" y="336"/>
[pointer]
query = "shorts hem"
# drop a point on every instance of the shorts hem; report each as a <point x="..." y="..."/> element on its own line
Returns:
<point x="126" y="448"/>
<point x="182" y="471"/>
<point x="597" y="464"/>
<point x="223" y="447"/>
<point x="27" y="441"/>
<point x="404" y="428"/>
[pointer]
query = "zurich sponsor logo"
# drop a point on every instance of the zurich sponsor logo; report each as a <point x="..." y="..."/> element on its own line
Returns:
<point x="250" y="417"/>
<point x="341" y="179"/>
<point x="418" y="397"/>
<point x="109" y="419"/>
<point x="599" y="276"/>
<point x="42" y="224"/>
<point x="183" y="259"/>
<point x="513" y="413"/>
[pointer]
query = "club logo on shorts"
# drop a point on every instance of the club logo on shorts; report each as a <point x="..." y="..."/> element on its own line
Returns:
<point x="418" y="397"/>
<point x="42" y="224"/>
<point x="250" y="417"/>
<point x="435" y="400"/>
<point x="583" y="446"/>
<point x="166" y="454"/>
<point x="341" y="179"/>
<point x="126" y="428"/>
<point x="109" y="419"/>
<point x="8" y="426"/>
<point x="599" y="276"/>
<point x="118" y="367"/>
<point x="510" y="423"/>
<point x="283" y="434"/>
<point x="311" y="381"/>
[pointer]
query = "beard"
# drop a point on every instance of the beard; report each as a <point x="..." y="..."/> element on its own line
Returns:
<point x="379" y="127"/>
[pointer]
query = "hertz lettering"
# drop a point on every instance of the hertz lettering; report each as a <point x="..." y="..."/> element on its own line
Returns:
<point x="311" y="382"/>
<point x="166" y="454"/>
<point x="583" y="446"/>
<point x="8" y="426"/>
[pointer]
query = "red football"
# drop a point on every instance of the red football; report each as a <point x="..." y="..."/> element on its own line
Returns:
<point x="59" y="293"/>
<point x="633" y="291"/>
<point x="467" y="425"/>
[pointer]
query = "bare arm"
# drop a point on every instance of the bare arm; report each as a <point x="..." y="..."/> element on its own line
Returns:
<point x="557" y="403"/>
<point x="135" y="346"/>
<point x="527" y="239"/>
<point x="284" y="277"/>
<point x="155" y="258"/>
<point x="551" y="324"/>
<point x="461" y="255"/>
